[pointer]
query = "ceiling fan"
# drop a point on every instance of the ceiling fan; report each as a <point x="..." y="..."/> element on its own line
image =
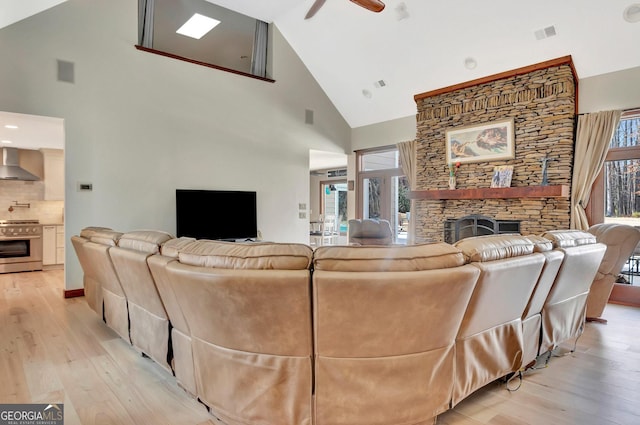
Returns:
<point x="372" y="5"/>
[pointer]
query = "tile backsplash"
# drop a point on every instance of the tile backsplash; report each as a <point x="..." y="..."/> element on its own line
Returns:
<point x="32" y="193"/>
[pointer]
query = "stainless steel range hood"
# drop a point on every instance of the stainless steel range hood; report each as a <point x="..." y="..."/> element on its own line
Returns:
<point x="10" y="168"/>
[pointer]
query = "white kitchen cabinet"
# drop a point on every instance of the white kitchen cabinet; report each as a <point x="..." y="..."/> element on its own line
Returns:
<point x="48" y="245"/>
<point x="52" y="245"/>
<point x="59" y="244"/>
<point x="53" y="174"/>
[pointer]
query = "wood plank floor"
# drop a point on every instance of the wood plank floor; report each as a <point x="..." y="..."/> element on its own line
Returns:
<point x="56" y="350"/>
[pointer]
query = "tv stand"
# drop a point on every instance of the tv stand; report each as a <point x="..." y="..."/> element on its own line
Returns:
<point x="238" y="240"/>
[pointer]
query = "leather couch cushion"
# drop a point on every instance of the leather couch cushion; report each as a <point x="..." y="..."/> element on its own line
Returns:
<point x="569" y="238"/>
<point x="172" y="247"/>
<point x="387" y="258"/>
<point x="494" y="247"/>
<point x="106" y="237"/>
<point x="620" y="240"/>
<point x="259" y="256"/>
<point x="540" y="244"/>
<point x="148" y="241"/>
<point x="88" y="232"/>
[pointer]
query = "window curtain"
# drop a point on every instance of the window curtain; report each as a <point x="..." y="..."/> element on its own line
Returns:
<point x="145" y="23"/>
<point x="593" y="138"/>
<point x="259" y="57"/>
<point x="407" y="155"/>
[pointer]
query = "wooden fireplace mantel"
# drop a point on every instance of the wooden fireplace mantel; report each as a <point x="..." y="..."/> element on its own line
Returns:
<point x="556" y="191"/>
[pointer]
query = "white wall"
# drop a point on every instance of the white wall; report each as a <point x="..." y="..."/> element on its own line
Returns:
<point x="384" y="133"/>
<point x="139" y="125"/>
<point x="616" y="90"/>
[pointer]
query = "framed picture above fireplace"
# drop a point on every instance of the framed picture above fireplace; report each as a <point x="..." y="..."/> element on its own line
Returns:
<point x="481" y="142"/>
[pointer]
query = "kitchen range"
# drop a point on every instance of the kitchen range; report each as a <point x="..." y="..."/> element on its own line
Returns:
<point x="20" y="245"/>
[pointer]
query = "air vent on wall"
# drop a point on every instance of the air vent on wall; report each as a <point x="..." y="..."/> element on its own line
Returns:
<point x="308" y="116"/>
<point x="66" y="71"/>
<point x="337" y="173"/>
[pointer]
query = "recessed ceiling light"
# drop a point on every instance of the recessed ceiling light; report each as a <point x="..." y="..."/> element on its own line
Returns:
<point x="470" y="63"/>
<point x="6" y="142"/>
<point x="197" y="26"/>
<point x="11" y="126"/>
<point x="632" y="13"/>
<point x="366" y="93"/>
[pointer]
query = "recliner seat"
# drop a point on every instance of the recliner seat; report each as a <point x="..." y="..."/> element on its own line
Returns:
<point x="385" y="324"/>
<point x="489" y="344"/>
<point x="148" y="320"/>
<point x="563" y="314"/>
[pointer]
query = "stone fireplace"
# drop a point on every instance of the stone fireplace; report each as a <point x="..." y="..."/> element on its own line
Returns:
<point x="541" y="99"/>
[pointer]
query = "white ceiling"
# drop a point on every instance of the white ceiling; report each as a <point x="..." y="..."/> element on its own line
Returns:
<point x="321" y="160"/>
<point x="348" y="49"/>
<point x="33" y="132"/>
<point x="16" y="10"/>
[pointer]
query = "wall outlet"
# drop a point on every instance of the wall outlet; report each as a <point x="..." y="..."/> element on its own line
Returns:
<point x="302" y="215"/>
<point x="302" y="206"/>
<point x="85" y="187"/>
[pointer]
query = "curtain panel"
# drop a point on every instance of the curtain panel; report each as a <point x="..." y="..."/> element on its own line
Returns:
<point x="260" y="44"/>
<point x="593" y="137"/>
<point x="145" y="23"/>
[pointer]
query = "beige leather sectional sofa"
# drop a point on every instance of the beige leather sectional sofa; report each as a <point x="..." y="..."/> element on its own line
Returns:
<point x="280" y="334"/>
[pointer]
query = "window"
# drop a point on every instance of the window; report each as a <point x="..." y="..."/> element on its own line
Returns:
<point x="616" y="193"/>
<point x="237" y="43"/>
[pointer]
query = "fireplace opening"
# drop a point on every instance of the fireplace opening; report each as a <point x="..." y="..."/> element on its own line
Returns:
<point x="477" y="225"/>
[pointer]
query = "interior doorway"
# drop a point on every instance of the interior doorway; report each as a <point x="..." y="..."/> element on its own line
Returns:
<point x="334" y="207"/>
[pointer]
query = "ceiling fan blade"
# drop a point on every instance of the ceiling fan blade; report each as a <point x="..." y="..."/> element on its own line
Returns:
<point x="372" y="5"/>
<point x="314" y="8"/>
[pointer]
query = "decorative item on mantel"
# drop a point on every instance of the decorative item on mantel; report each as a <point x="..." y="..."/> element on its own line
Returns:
<point x="502" y="175"/>
<point x="545" y="163"/>
<point x="453" y="170"/>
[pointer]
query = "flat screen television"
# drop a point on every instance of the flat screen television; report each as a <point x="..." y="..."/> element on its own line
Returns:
<point x="216" y="214"/>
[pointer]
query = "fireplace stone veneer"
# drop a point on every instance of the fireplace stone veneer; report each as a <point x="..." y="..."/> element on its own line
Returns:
<point x="541" y="99"/>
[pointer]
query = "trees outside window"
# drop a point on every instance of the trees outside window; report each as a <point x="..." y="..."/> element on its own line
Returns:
<point x="621" y="174"/>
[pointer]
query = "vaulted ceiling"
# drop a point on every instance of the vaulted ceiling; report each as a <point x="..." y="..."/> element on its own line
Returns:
<point x="348" y="49"/>
<point x="415" y="46"/>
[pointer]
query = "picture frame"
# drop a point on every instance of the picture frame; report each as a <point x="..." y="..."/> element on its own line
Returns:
<point x="481" y="143"/>
<point x="502" y="175"/>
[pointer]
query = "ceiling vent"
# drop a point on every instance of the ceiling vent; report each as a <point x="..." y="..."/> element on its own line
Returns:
<point x="545" y="33"/>
<point x="337" y="173"/>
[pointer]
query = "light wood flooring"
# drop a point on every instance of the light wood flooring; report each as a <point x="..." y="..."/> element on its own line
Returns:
<point x="56" y="350"/>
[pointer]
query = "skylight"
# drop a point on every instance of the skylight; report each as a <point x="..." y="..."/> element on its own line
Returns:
<point x="197" y="26"/>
